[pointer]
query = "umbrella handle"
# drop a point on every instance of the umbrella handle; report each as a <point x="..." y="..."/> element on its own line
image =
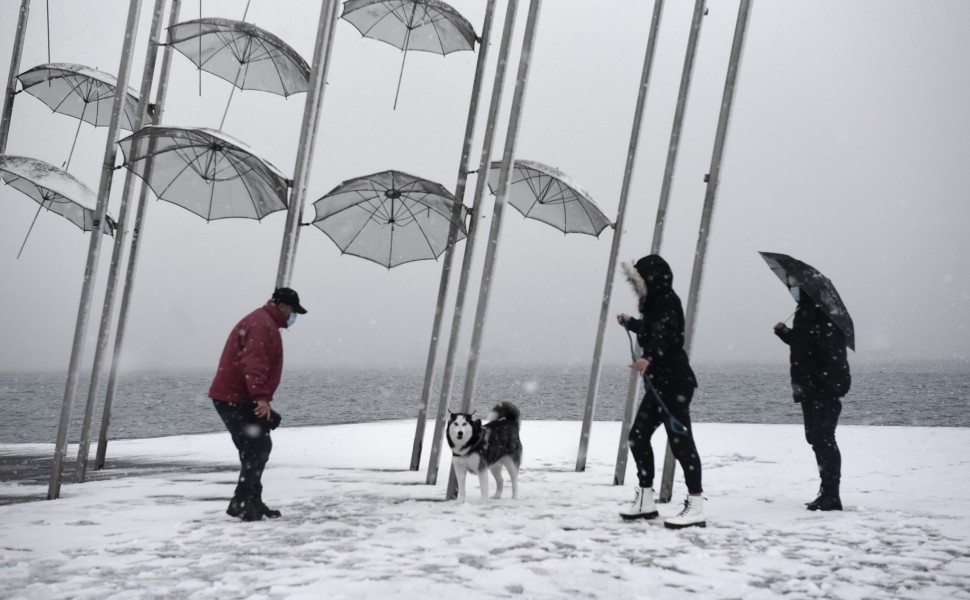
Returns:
<point x="31" y="228"/>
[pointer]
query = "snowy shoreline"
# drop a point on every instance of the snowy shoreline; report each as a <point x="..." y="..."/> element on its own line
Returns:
<point x="358" y="524"/>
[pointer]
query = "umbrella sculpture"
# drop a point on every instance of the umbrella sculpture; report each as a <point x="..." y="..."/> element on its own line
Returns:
<point x="425" y="25"/>
<point x="547" y="194"/>
<point x="54" y="189"/>
<point x="390" y="218"/>
<point x="248" y="57"/>
<point x="83" y="93"/>
<point x="794" y="273"/>
<point x="206" y="171"/>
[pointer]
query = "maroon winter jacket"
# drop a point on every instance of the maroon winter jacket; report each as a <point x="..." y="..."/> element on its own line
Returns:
<point x="252" y="360"/>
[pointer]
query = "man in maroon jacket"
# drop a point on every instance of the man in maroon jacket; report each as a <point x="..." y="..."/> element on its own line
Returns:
<point x="249" y="373"/>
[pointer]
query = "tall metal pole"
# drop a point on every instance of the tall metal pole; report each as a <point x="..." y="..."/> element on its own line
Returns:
<point x="140" y="216"/>
<point x="631" y="155"/>
<point x="720" y="137"/>
<point x="491" y="251"/>
<point x="16" y="55"/>
<point x="117" y="255"/>
<point x="679" y="111"/>
<point x="483" y="45"/>
<point x="633" y="385"/>
<point x="308" y="139"/>
<point x="94" y="249"/>
<point x="481" y="183"/>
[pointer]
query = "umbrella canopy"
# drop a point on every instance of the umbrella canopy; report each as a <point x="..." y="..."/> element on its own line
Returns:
<point x="83" y="93"/>
<point x="390" y="218"/>
<point x="54" y="189"/>
<point x="248" y="57"/>
<point x="794" y="273"/>
<point x="547" y="194"/>
<point x="206" y="171"/>
<point x="425" y="25"/>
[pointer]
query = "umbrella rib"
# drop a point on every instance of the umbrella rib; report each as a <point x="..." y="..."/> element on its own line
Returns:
<point x="230" y="158"/>
<point x="421" y="229"/>
<point x="179" y="151"/>
<point x="434" y="25"/>
<point x="74" y="90"/>
<point x="366" y="221"/>
<point x="390" y="12"/>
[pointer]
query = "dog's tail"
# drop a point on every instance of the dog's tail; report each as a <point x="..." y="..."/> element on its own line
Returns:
<point x="506" y="410"/>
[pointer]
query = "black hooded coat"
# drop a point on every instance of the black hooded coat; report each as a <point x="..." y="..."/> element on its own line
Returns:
<point x="819" y="365"/>
<point x="660" y="328"/>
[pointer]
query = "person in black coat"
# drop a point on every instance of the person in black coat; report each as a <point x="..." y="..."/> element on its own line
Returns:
<point x="820" y="378"/>
<point x="668" y="374"/>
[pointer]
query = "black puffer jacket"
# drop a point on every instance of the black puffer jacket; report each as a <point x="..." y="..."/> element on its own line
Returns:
<point x="660" y="328"/>
<point x="819" y="365"/>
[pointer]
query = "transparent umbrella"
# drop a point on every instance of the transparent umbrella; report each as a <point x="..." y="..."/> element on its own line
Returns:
<point x="547" y="194"/>
<point x="425" y="25"/>
<point x="81" y="92"/>
<point x="248" y="57"/>
<point x="54" y="189"/>
<point x="390" y="218"/>
<point x="206" y="171"/>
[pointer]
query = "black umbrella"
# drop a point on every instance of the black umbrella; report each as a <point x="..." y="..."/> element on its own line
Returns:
<point x="818" y="287"/>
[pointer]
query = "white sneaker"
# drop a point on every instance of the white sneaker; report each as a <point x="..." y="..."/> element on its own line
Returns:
<point x="642" y="507"/>
<point x="691" y="516"/>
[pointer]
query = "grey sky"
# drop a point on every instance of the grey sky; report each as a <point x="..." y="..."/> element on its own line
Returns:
<point x="848" y="149"/>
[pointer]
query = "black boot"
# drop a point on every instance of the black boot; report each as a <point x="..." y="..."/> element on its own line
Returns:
<point x="828" y="498"/>
<point x="266" y="511"/>
<point x="245" y="508"/>
<point x="827" y="502"/>
<point x="235" y="506"/>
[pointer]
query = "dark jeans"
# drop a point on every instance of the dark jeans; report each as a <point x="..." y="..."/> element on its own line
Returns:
<point x="251" y="436"/>
<point x="648" y="419"/>
<point x="821" y="417"/>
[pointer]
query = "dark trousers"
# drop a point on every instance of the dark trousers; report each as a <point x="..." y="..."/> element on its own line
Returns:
<point x="251" y="436"/>
<point x="648" y="419"/>
<point x="821" y="417"/>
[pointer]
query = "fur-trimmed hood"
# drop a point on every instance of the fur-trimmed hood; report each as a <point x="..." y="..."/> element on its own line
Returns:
<point x="650" y="276"/>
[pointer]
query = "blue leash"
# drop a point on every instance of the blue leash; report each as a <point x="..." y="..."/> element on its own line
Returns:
<point x="675" y="425"/>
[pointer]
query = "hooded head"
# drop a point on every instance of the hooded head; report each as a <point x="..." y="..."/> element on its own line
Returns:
<point x="650" y="277"/>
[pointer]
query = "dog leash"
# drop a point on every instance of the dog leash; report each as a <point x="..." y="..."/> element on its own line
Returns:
<point x="675" y="425"/>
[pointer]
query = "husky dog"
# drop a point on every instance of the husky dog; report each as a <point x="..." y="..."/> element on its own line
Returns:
<point x="479" y="448"/>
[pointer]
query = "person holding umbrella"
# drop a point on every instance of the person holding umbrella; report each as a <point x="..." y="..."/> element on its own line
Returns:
<point x="820" y="375"/>
<point x="669" y="384"/>
<point x="248" y="375"/>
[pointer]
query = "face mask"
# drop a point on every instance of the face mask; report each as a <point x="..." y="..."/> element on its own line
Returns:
<point x="795" y="293"/>
<point x="291" y="320"/>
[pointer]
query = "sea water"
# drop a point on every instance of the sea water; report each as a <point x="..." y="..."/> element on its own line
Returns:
<point x="171" y="402"/>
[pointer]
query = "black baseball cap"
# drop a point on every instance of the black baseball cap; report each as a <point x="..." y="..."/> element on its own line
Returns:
<point x="289" y="297"/>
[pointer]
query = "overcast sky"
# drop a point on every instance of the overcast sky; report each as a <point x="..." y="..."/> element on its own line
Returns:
<point x="848" y="148"/>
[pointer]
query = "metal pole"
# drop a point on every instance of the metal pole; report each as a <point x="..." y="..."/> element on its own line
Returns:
<point x="453" y="234"/>
<point x="308" y="139"/>
<point x="94" y="249"/>
<point x="16" y="55"/>
<point x="631" y="155"/>
<point x="692" y="38"/>
<point x="117" y="255"/>
<point x="693" y="297"/>
<point x="633" y="385"/>
<point x="491" y="251"/>
<point x="481" y="183"/>
<point x="159" y="111"/>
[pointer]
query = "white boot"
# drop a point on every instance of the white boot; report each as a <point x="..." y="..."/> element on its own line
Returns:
<point x="691" y="516"/>
<point x="642" y="507"/>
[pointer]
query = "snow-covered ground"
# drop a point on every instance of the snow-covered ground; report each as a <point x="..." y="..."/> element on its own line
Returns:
<point x="358" y="524"/>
